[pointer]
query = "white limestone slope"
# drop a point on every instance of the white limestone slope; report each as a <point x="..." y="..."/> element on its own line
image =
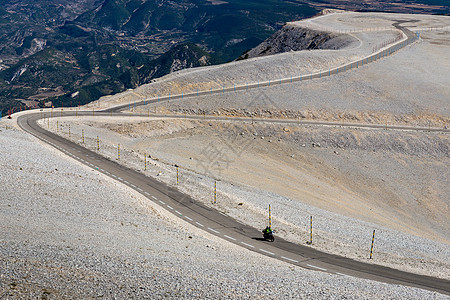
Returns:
<point x="67" y="231"/>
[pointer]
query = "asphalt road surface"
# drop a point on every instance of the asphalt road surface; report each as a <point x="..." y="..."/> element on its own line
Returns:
<point x="221" y="225"/>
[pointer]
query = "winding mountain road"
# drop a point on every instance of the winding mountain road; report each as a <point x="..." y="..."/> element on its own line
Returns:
<point x="409" y="38"/>
<point x="221" y="225"/>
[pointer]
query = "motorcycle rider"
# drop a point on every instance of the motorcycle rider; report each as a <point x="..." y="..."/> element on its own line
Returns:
<point x="268" y="234"/>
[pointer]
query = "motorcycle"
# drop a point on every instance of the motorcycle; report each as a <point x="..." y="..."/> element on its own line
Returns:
<point x="268" y="236"/>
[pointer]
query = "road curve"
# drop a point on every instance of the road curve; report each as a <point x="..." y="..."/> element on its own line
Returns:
<point x="221" y="225"/>
<point x="382" y="53"/>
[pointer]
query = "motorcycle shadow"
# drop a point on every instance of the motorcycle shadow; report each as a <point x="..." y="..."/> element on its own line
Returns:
<point x="258" y="239"/>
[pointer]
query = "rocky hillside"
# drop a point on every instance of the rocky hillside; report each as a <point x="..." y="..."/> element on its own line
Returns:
<point x="107" y="70"/>
<point x="294" y="38"/>
<point x="71" y="52"/>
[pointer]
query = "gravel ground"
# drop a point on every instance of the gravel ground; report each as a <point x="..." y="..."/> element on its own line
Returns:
<point x="388" y="181"/>
<point x="68" y="231"/>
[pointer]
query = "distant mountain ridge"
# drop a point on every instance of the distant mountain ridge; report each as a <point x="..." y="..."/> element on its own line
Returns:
<point x="200" y="21"/>
<point x="52" y="50"/>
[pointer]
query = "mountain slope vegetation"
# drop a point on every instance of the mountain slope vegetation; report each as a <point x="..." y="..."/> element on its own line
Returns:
<point x="53" y="50"/>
